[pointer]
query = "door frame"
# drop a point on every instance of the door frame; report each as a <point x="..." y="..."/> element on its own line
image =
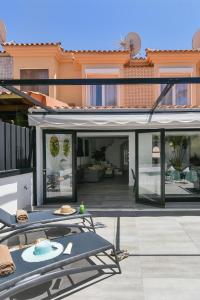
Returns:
<point x="161" y="203"/>
<point x="61" y="199"/>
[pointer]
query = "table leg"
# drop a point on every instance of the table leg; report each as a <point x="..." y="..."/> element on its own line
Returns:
<point x="92" y="224"/>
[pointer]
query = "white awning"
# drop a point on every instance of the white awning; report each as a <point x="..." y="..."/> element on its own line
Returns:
<point x="114" y="121"/>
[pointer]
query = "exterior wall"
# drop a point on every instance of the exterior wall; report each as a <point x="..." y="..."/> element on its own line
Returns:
<point x="16" y="192"/>
<point x="72" y="95"/>
<point x="197" y="85"/>
<point x="6" y="68"/>
<point x="33" y="62"/>
<point x="113" y="71"/>
<point x="72" y="64"/>
<point x="63" y="64"/>
<point x="112" y="149"/>
<point x="177" y="60"/>
<point x="138" y="95"/>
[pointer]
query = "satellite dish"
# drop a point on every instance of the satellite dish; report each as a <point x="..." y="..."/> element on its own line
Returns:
<point x="196" y="40"/>
<point x="2" y="32"/>
<point x="131" y="42"/>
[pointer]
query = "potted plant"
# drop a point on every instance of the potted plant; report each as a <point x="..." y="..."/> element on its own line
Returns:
<point x="179" y="145"/>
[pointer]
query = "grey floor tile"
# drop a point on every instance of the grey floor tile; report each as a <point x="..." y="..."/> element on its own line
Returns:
<point x="170" y="289"/>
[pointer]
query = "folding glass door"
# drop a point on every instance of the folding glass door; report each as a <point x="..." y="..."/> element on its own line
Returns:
<point x="59" y="166"/>
<point x="150" y="164"/>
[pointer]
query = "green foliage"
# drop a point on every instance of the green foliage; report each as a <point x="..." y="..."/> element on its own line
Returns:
<point x="21" y="119"/>
<point x="179" y="146"/>
<point x="66" y="147"/>
<point x="99" y="155"/>
<point x="54" y="146"/>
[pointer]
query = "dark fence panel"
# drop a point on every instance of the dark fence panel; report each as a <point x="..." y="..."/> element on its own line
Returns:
<point x="2" y="147"/>
<point x="8" y="146"/>
<point x="23" y="147"/>
<point x="15" y="147"/>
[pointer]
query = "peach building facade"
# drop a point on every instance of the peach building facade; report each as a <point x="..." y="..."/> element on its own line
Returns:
<point x="60" y="63"/>
<point x="157" y="156"/>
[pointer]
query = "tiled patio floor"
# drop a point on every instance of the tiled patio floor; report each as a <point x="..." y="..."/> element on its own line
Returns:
<point x="164" y="263"/>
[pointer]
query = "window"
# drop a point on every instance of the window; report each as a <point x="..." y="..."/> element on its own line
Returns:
<point x="103" y="95"/>
<point x="177" y="95"/>
<point x="35" y="74"/>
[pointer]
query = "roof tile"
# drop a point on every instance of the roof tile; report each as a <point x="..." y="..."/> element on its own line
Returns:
<point x="31" y="44"/>
<point x="67" y="51"/>
<point x="124" y="108"/>
<point x="148" y="50"/>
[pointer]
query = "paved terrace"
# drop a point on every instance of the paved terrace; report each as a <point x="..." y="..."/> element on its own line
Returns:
<point x="164" y="263"/>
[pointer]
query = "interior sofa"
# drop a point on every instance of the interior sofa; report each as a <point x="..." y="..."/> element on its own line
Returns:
<point x="93" y="174"/>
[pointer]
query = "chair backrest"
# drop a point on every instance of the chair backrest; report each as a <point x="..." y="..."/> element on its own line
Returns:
<point x="5" y="218"/>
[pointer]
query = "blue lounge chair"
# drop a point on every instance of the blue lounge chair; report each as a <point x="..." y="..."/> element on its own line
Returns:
<point x="85" y="246"/>
<point x="39" y="220"/>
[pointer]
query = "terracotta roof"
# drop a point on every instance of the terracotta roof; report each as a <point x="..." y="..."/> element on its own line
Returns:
<point x="4" y="92"/>
<point x="48" y="101"/>
<point x="67" y="51"/>
<point x="123" y="108"/>
<point x="31" y="44"/>
<point x="44" y="99"/>
<point x="98" y="51"/>
<point x="139" y="62"/>
<point x="178" y="106"/>
<point x="148" y="50"/>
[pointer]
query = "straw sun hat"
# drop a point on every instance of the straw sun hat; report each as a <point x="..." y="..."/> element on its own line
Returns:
<point x="65" y="210"/>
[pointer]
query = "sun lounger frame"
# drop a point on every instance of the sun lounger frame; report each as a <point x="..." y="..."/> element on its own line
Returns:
<point x="11" y="227"/>
<point x="47" y="273"/>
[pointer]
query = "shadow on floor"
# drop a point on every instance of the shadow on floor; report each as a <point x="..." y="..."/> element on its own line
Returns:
<point x="66" y="286"/>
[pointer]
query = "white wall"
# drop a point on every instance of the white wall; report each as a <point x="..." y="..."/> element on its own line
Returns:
<point x="16" y="192"/>
<point x="39" y="165"/>
<point x="112" y="145"/>
<point x="131" y="145"/>
<point x="113" y="152"/>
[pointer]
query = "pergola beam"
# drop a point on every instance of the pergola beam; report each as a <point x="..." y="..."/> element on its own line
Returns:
<point x="26" y="96"/>
<point x="164" y="92"/>
<point x="100" y="81"/>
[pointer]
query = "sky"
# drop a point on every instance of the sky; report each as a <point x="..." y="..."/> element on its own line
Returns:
<point x="100" y="24"/>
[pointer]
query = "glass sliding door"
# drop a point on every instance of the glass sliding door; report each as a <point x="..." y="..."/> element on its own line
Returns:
<point x="59" y="166"/>
<point x="150" y="167"/>
<point x="182" y="165"/>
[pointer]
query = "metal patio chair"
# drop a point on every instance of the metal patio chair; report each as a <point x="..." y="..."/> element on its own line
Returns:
<point x="85" y="246"/>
